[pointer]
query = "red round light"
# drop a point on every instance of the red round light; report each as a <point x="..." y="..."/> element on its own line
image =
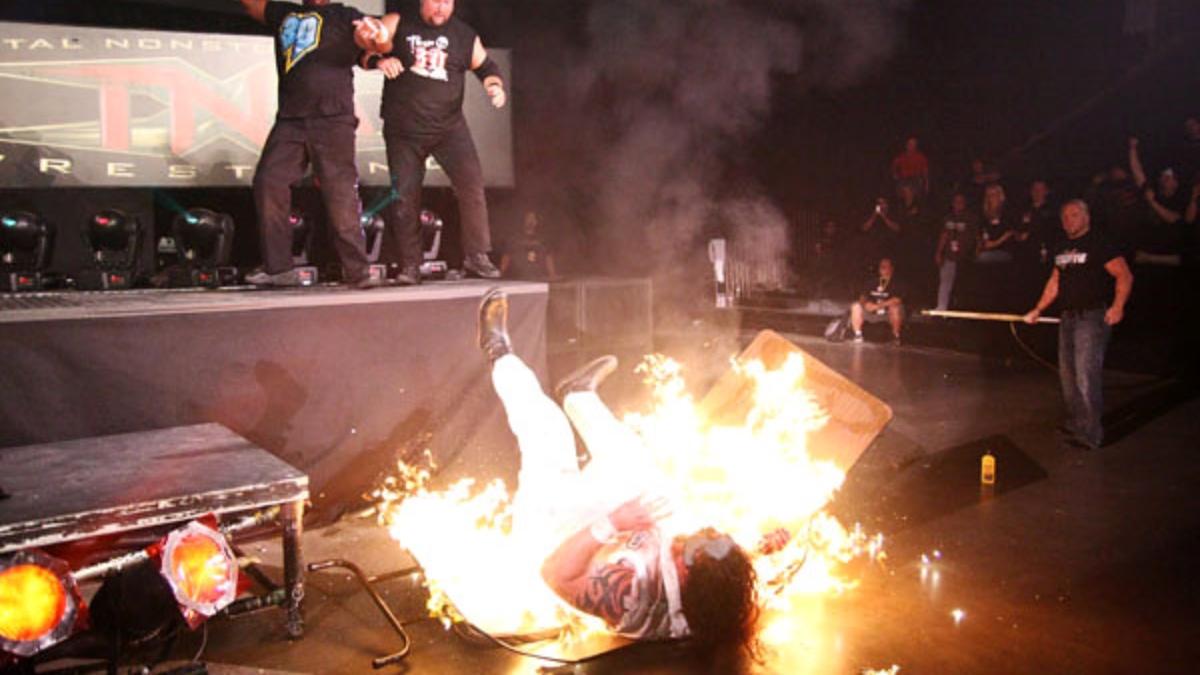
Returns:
<point x="32" y="602"/>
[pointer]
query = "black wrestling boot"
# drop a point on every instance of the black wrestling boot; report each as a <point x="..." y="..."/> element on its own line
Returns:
<point x="587" y="377"/>
<point x="479" y="265"/>
<point x="409" y="275"/>
<point x="493" y="324"/>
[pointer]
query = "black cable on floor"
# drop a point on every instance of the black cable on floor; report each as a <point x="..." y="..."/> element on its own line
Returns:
<point x="1012" y="327"/>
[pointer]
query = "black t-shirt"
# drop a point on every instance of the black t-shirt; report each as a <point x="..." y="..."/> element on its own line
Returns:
<point x="1157" y="235"/>
<point x="1083" y="283"/>
<point x="427" y="98"/>
<point x="527" y="259"/>
<point x="1044" y="226"/>
<point x="960" y="236"/>
<point x="876" y="289"/>
<point x="314" y="58"/>
<point x="991" y="229"/>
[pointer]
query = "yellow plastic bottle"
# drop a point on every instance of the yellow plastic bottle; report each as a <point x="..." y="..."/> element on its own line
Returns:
<point x="987" y="469"/>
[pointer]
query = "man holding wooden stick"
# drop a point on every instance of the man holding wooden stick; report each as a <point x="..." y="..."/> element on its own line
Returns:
<point x="1085" y="264"/>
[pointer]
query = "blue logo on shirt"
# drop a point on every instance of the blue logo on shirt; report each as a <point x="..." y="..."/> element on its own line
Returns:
<point x="298" y="35"/>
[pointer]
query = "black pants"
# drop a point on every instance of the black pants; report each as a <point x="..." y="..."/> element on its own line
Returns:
<point x="328" y="144"/>
<point x="454" y="150"/>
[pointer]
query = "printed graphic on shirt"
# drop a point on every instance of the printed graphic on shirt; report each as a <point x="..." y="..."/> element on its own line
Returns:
<point x="299" y="34"/>
<point x="1067" y="258"/>
<point x="430" y="56"/>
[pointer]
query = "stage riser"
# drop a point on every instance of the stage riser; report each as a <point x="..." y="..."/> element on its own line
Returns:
<point x="337" y="391"/>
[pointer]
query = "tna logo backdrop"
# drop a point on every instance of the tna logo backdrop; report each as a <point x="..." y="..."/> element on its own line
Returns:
<point x="129" y="108"/>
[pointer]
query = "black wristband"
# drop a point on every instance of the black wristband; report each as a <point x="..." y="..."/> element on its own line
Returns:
<point x="372" y="61"/>
<point x="488" y="69"/>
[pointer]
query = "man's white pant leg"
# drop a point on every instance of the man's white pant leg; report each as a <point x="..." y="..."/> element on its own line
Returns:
<point x="620" y="462"/>
<point x="542" y="430"/>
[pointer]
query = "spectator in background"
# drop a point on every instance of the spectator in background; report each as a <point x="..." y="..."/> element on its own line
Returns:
<point x="1114" y="200"/>
<point x="996" y="233"/>
<point x="880" y="300"/>
<point x="1040" y="220"/>
<point x="954" y="248"/>
<point x="911" y="168"/>
<point x="1190" y="335"/>
<point x="1190" y="213"/>
<point x="1188" y="155"/>
<point x="528" y="257"/>
<point x="1160" y="237"/>
<point x="915" y="242"/>
<point x="977" y="181"/>
<point x="994" y="251"/>
<point x="880" y="233"/>
<point x="826" y="258"/>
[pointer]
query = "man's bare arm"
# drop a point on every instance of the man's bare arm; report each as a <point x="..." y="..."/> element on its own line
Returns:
<point x="493" y="84"/>
<point x="1168" y="216"/>
<point x="1049" y="293"/>
<point x="1135" y="163"/>
<point x="600" y="591"/>
<point x="1120" y="271"/>
<point x="372" y="35"/>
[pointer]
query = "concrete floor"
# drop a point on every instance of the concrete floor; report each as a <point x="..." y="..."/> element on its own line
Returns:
<point x="1076" y="562"/>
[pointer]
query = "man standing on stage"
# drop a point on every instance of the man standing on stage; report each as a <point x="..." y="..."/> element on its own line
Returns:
<point x="1080" y="281"/>
<point x="422" y="116"/>
<point x="316" y="47"/>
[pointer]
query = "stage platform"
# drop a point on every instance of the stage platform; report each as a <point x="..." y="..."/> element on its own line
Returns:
<point x="1077" y="561"/>
<point x="336" y="382"/>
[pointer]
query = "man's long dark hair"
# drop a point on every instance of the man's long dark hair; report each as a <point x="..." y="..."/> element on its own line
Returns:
<point x="720" y="602"/>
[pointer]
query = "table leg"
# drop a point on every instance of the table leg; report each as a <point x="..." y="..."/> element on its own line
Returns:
<point x="293" y="567"/>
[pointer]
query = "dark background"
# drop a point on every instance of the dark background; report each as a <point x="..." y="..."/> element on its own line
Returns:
<point x="1038" y="88"/>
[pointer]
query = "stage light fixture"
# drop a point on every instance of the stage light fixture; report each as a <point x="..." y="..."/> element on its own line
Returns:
<point x="431" y="240"/>
<point x="303" y="234"/>
<point x="40" y="603"/>
<point x="373" y="225"/>
<point x="204" y="241"/>
<point x="201" y="569"/>
<point x="26" y="246"/>
<point x="114" y="238"/>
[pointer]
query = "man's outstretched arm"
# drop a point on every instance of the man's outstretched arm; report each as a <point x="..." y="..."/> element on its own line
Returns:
<point x="372" y="35"/>
<point x="257" y="9"/>
<point x="599" y="590"/>
<point x="488" y="72"/>
<point x="1049" y="294"/>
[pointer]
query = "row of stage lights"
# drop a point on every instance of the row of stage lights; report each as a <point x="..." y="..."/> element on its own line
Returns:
<point x="112" y="240"/>
<point x="41" y="605"/>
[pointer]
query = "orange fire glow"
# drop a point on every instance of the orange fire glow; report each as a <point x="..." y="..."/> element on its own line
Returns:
<point x="747" y="480"/>
<point x="200" y="569"/>
<point x="32" y="602"/>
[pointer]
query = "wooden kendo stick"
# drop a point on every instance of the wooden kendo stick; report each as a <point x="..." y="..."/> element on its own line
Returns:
<point x="984" y="316"/>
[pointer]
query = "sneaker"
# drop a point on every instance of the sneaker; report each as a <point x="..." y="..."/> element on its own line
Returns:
<point x="365" y="284"/>
<point x="409" y="275"/>
<point x="479" y="265"/>
<point x="279" y="279"/>
<point x="858" y="337"/>
<point x="587" y="377"/>
<point x="895" y="340"/>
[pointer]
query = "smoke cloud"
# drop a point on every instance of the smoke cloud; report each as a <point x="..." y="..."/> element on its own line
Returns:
<point x="659" y="98"/>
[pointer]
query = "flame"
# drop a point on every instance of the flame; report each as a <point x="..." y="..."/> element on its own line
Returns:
<point x="32" y="602"/>
<point x="747" y="480"/>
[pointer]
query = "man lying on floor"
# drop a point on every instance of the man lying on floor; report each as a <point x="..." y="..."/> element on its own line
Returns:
<point x="613" y="560"/>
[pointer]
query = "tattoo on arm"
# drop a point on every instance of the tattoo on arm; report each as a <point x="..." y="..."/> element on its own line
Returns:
<point x="604" y="591"/>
